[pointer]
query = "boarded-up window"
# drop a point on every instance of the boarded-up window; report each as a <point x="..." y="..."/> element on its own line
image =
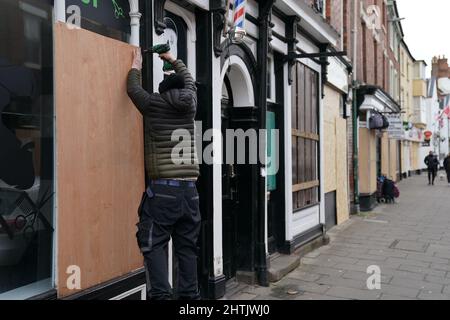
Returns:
<point x="305" y="137"/>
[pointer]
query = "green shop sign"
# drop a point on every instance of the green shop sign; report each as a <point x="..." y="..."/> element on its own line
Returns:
<point x="271" y="150"/>
<point x="101" y="15"/>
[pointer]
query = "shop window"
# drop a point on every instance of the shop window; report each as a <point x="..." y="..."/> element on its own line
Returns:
<point x="26" y="141"/>
<point x="176" y="34"/>
<point x="305" y="138"/>
<point x="319" y="6"/>
<point x="109" y="18"/>
<point x="33" y="39"/>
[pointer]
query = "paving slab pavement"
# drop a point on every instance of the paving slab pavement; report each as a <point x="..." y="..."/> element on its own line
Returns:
<point x="408" y="241"/>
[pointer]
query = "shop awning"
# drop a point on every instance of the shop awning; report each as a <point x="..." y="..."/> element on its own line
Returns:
<point x="374" y="98"/>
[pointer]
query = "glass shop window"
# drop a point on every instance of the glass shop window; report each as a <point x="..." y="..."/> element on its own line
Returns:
<point x="106" y="17"/>
<point x="176" y="35"/>
<point x="26" y="148"/>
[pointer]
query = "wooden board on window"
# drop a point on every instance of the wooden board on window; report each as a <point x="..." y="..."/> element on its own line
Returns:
<point x="305" y="186"/>
<point x="100" y="159"/>
<point x="342" y="201"/>
<point x="305" y="135"/>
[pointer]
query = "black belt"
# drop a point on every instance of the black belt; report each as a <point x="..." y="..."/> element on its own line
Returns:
<point x="174" y="183"/>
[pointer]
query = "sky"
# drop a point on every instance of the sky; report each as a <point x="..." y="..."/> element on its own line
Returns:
<point x="425" y="27"/>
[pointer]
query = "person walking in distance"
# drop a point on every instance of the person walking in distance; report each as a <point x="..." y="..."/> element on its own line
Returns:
<point x="432" y="164"/>
<point x="170" y="206"/>
<point x="447" y="168"/>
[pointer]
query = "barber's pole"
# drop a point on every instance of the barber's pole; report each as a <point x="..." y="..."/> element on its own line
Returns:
<point x="237" y="33"/>
<point x="239" y="13"/>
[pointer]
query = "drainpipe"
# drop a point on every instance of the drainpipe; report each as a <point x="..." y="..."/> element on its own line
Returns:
<point x="355" y="109"/>
<point x="265" y="11"/>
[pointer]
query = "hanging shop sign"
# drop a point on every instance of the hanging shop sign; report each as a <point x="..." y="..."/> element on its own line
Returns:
<point x="109" y="14"/>
<point x="407" y="125"/>
<point x="396" y="129"/>
<point x="377" y="120"/>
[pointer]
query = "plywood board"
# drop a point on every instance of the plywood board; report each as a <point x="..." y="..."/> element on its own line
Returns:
<point x="385" y="156"/>
<point x="330" y="156"/>
<point x="393" y="161"/>
<point x="364" y="160"/>
<point x="367" y="161"/>
<point x="373" y="162"/>
<point x="100" y="159"/>
<point x="331" y="103"/>
<point x="342" y="205"/>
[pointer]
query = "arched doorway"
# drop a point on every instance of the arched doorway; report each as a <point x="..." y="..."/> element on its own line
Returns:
<point x="239" y="181"/>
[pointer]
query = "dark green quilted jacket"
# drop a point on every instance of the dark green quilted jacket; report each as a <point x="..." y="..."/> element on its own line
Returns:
<point x="170" y="150"/>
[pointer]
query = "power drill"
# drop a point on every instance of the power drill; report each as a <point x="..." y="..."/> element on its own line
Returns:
<point x="161" y="48"/>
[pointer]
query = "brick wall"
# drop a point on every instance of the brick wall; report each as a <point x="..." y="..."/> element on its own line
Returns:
<point x="372" y="66"/>
<point x="334" y="17"/>
<point x="347" y="27"/>
<point x="440" y="68"/>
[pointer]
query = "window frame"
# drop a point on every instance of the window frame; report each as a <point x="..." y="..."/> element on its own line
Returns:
<point x="271" y="94"/>
<point x="306" y="182"/>
<point x="46" y="127"/>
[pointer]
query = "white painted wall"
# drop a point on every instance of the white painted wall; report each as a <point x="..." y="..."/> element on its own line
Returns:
<point x="217" y="167"/>
<point x="252" y="8"/>
<point x="279" y="25"/>
<point x="431" y="105"/>
<point x="338" y="75"/>
<point x="322" y="153"/>
<point x="288" y="155"/>
<point x="444" y="148"/>
<point x="59" y="8"/>
<point x="424" y="151"/>
<point x="303" y="220"/>
<point x="241" y="82"/>
<point x="406" y="152"/>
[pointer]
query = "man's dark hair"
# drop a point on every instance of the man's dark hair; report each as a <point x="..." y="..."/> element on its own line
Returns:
<point x="173" y="81"/>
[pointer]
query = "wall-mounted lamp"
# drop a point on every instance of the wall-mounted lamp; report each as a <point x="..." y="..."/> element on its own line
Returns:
<point x="236" y="34"/>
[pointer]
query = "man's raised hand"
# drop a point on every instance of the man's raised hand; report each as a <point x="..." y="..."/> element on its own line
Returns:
<point x="137" y="59"/>
<point x="167" y="56"/>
